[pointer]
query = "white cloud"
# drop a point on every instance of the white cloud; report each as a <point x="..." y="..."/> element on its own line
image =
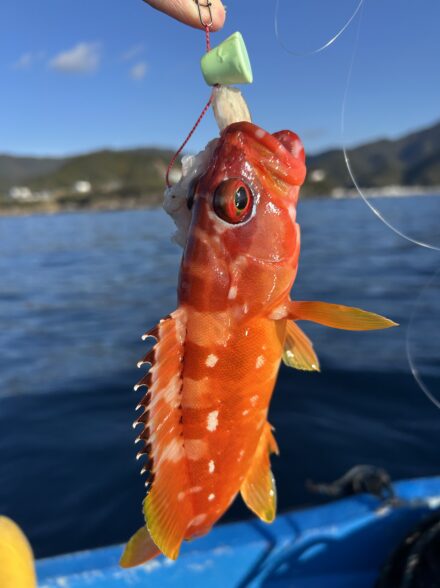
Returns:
<point x="28" y="59"/>
<point x="133" y="52"/>
<point x="83" y="58"/>
<point x="139" y="71"/>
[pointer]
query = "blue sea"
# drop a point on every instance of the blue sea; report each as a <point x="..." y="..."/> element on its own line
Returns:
<point x="78" y="290"/>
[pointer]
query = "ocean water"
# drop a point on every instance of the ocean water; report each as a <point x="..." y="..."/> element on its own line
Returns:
<point x="78" y="290"/>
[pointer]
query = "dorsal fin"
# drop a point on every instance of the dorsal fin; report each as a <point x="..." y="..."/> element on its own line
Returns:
<point x="166" y="516"/>
<point x="298" y="350"/>
<point x="258" y="489"/>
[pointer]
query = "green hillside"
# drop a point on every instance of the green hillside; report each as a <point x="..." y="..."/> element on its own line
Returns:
<point x="137" y="170"/>
<point x="137" y="175"/>
<point x="413" y="160"/>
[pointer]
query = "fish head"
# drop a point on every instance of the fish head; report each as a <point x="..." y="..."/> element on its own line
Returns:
<point x="243" y="223"/>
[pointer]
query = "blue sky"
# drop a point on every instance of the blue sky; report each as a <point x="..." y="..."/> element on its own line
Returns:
<point x="82" y="75"/>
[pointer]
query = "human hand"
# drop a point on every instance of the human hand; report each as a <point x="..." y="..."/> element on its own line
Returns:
<point x="187" y="11"/>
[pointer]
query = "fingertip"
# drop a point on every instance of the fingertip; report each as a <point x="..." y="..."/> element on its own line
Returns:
<point x="218" y="16"/>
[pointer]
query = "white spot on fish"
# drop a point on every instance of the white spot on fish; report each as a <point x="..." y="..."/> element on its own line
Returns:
<point x="314" y="366"/>
<point x="211" y="497"/>
<point x="245" y="308"/>
<point x="195" y="448"/>
<point x="232" y="294"/>
<point x="259" y="133"/>
<point x="245" y="412"/>
<point x="240" y="455"/>
<point x="211" y="466"/>
<point x="253" y="400"/>
<point x="173" y="451"/>
<point x="212" y="421"/>
<point x="279" y="313"/>
<point x="271" y="492"/>
<point x="211" y="360"/>
<point x="260" y="361"/>
<point x="198" y="520"/>
<point x="195" y="489"/>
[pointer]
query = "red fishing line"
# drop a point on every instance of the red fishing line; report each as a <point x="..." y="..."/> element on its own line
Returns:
<point x="202" y="114"/>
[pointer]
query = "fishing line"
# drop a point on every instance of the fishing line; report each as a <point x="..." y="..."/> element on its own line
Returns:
<point x="188" y="137"/>
<point x="207" y="24"/>
<point x="345" y="149"/>
<point x="320" y="48"/>
<point x="410" y="353"/>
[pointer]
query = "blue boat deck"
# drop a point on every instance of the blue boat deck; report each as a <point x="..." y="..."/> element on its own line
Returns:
<point x="340" y="545"/>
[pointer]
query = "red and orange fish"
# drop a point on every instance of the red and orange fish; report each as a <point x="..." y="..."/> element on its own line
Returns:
<point x="217" y="356"/>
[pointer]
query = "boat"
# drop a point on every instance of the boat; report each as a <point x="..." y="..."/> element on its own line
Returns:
<point x="361" y="541"/>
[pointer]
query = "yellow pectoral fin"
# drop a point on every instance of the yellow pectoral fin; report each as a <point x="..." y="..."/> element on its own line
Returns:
<point x="140" y="549"/>
<point x="298" y="350"/>
<point x="16" y="559"/>
<point x="338" y="316"/>
<point x="258" y="489"/>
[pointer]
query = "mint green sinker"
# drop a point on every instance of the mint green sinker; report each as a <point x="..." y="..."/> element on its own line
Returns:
<point x="228" y="63"/>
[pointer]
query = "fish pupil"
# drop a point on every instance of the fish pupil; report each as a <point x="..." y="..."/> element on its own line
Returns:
<point x="241" y="199"/>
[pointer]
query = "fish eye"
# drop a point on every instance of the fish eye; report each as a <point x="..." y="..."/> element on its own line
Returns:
<point x="233" y="201"/>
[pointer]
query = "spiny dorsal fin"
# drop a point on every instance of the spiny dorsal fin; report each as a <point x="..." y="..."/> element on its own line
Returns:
<point x="258" y="489"/>
<point x="166" y="517"/>
<point x="298" y="350"/>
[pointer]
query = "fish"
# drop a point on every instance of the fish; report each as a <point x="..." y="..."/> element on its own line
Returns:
<point x="213" y="367"/>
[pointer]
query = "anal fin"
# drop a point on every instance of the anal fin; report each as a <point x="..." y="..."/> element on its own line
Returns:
<point x="258" y="489"/>
<point x="139" y="549"/>
<point x="298" y="350"/>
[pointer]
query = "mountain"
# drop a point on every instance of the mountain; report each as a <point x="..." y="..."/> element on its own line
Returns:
<point x="18" y="170"/>
<point x="413" y="160"/>
<point x="134" y="169"/>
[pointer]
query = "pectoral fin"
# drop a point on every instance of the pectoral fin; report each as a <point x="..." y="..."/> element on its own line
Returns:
<point x="298" y="350"/>
<point x="139" y="549"/>
<point x="338" y="316"/>
<point x="258" y="489"/>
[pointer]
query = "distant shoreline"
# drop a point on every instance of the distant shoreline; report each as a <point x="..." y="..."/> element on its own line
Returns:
<point x="115" y="205"/>
<point x="153" y="202"/>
